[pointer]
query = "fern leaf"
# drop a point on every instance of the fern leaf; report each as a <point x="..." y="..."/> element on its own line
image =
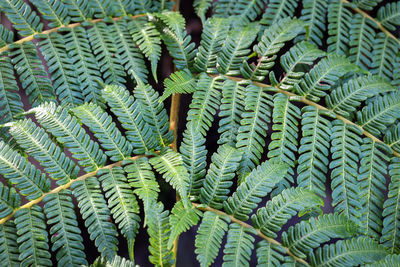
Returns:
<point x="272" y="41"/>
<point x="384" y="48"/>
<point x="85" y="64"/>
<point x="242" y="12"/>
<point x="169" y="164"/>
<point x="35" y="141"/>
<point x="305" y="236"/>
<point x="22" y="17"/>
<point x="6" y="36"/>
<point x="205" y="102"/>
<point x="8" y="244"/>
<point x="122" y="203"/>
<point x="257" y="185"/>
<point x="78" y="10"/>
<point x="201" y="7"/>
<point x="54" y="11"/>
<point x="345" y="99"/>
<point x="9" y="200"/>
<point x="179" y="82"/>
<point x="32" y="237"/>
<point x="65" y="234"/>
<point x="231" y="110"/>
<point x="278" y="10"/>
<point x="160" y="5"/>
<point x="129" y="114"/>
<point x="345" y="149"/>
<point x="323" y="76"/>
<point x="388" y="261"/>
<point x="68" y="132"/>
<point x="148" y="39"/>
<point x="314" y="14"/>
<point x="181" y="220"/>
<point x="93" y="208"/>
<point x="314" y="150"/>
<point x="214" y="34"/>
<point x="105" y="130"/>
<point x="389" y="15"/>
<point x="142" y="6"/>
<point x="123" y="7"/>
<point x="253" y="127"/>
<point x="159" y="231"/>
<point x="269" y="254"/>
<point x="391" y="211"/>
<point x="154" y="113"/>
<point x="31" y="73"/>
<point x="373" y="170"/>
<point x="219" y="177"/>
<point x="283" y="146"/>
<point x="339" y="22"/>
<point x="381" y="113"/>
<point x="16" y="169"/>
<point x="350" y="252"/>
<point x="282" y="207"/>
<point x="239" y="246"/>
<point x="366" y="4"/>
<point x="209" y="237"/>
<point x="236" y="49"/>
<point x="117" y="261"/>
<point x="194" y="155"/>
<point x="62" y="71"/>
<point x="224" y="8"/>
<point x="392" y="137"/>
<point x="101" y="8"/>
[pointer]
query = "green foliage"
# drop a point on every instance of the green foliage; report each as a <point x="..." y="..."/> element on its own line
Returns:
<point x="179" y="82"/>
<point x="239" y="245"/>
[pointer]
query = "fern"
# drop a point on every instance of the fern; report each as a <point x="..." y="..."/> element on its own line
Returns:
<point x="54" y="11"/>
<point x="388" y="15"/>
<point x="383" y="49"/>
<point x="314" y="13"/>
<point x="9" y="246"/>
<point x="339" y="21"/>
<point x="178" y="83"/>
<point x="278" y="10"/>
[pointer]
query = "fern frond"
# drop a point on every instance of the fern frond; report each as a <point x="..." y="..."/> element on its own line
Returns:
<point x="35" y="141"/>
<point x="236" y="49"/>
<point x="246" y="11"/>
<point x="101" y="8"/>
<point x="388" y="261"/>
<point x="216" y="186"/>
<point x="366" y="4"/>
<point x="96" y="214"/>
<point x="105" y="130"/>
<point x="68" y="132"/>
<point x="272" y="41"/>
<point x="209" y="237"/>
<point x="350" y="252"/>
<point x="9" y="200"/>
<point x="23" y="18"/>
<point x="391" y="210"/>
<point x="129" y="114"/>
<point x="269" y="254"/>
<point x="6" y="36"/>
<point x="181" y="220"/>
<point x="159" y="231"/>
<point x="372" y="183"/>
<point x="32" y="237"/>
<point x="339" y="22"/>
<point x="201" y="7"/>
<point x="79" y="10"/>
<point x="31" y="73"/>
<point x="282" y="207"/>
<point x="123" y="7"/>
<point x="65" y="234"/>
<point x="345" y="99"/>
<point x="213" y="36"/>
<point x="61" y="69"/>
<point x="389" y="15"/>
<point x="16" y="169"/>
<point x="392" y="137"/>
<point x="314" y="13"/>
<point x="384" y="48"/>
<point x="345" y="149"/>
<point x="54" y="11"/>
<point x="257" y="185"/>
<point x="253" y="127"/>
<point x="323" y="76"/>
<point x="314" y="150"/>
<point x="239" y="245"/>
<point x="142" y="6"/>
<point x="179" y="82"/>
<point x="160" y="5"/>
<point x="277" y="10"/>
<point x="117" y="261"/>
<point x="8" y="244"/>
<point x="305" y="236"/>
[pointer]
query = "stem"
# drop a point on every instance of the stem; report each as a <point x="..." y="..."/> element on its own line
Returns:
<point x="233" y="219"/>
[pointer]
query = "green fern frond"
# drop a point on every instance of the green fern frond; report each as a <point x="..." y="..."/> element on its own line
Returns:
<point x="66" y="237"/>
<point x="272" y="41"/>
<point x="54" y="11"/>
<point x="256" y="186"/>
<point x="96" y="214"/>
<point x="31" y="73"/>
<point x="35" y="141"/>
<point x="68" y="132"/>
<point x="239" y="245"/>
<point x="305" y="236"/>
<point x="117" y="261"/>
<point x="9" y="200"/>
<point x="366" y="4"/>
<point x="345" y="149"/>
<point x="179" y="82"/>
<point x="282" y="207"/>
<point x="392" y="137"/>
<point x="23" y="18"/>
<point x="269" y="254"/>
<point x="78" y="10"/>
<point x="391" y="213"/>
<point x="17" y="170"/>
<point x="101" y="8"/>
<point x="384" y="48"/>
<point x="130" y="115"/>
<point x="314" y="14"/>
<point x="246" y="11"/>
<point x="389" y="15"/>
<point x="105" y="130"/>
<point x="388" y="261"/>
<point x="6" y="36"/>
<point x="8" y="244"/>
<point x="277" y="10"/>
<point x="160" y="5"/>
<point x="339" y="23"/>
<point x="216" y="185"/>
<point x="209" y="237"/>
<point x="201" y="7"/>
<point x="350" y="252"/>
<point x="142" y="6"/>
